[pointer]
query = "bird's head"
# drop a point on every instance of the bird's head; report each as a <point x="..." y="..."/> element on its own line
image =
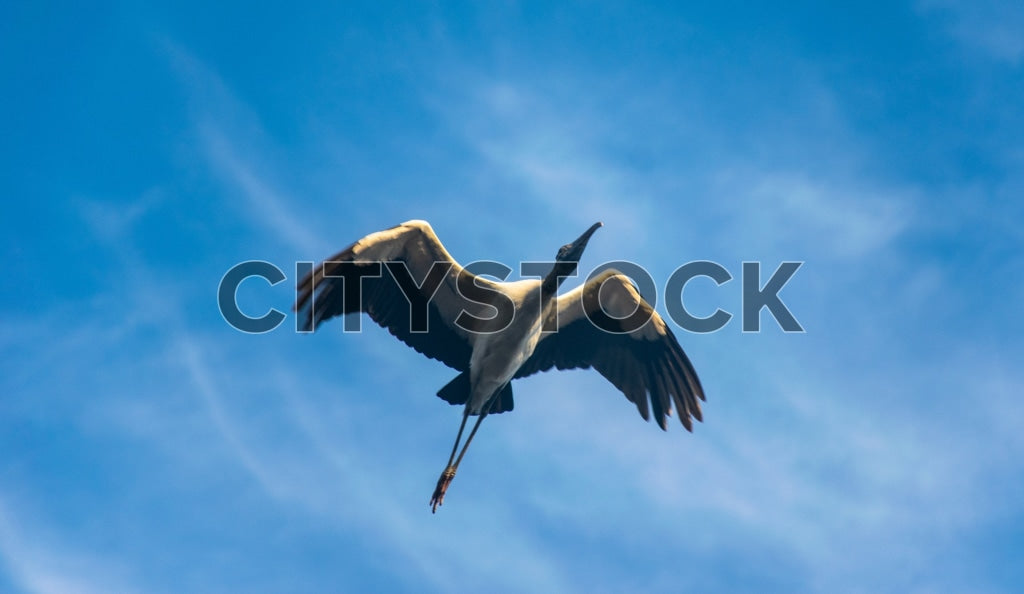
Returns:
<point x="572" y="252"/>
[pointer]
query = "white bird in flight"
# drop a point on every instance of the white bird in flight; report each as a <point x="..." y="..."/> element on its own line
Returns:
<point x="494" y="332"/>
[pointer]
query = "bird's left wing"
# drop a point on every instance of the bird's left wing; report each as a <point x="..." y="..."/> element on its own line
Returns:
<point x="415" y="247"/>
<point x="643" y="362"/>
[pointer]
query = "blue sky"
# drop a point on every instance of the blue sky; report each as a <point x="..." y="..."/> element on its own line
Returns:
<point x="145" y="446"/>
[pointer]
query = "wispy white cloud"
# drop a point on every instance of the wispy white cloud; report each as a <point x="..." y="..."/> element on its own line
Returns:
<point x="40" y="565"/>
<point x="992" y="26"/>
<point x="816" y="465"/>
<point x="200" y="376"/>
<point x="234" y="145"/>
<point x="812" y="216"/>
<point x="543" y="146"/>
<point x="112" y="223"/>
<point x="263" y="204"/>
<point x="325" y="472"/>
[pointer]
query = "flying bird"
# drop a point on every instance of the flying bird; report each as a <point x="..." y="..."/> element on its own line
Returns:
<point x="494" y="332"/>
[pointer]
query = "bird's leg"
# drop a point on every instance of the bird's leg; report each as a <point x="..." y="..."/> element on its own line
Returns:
<point x="449" y="472"/>
<point x="442" y="487"/>
<point x="470" y="438"/>
<point x="458" y="438"/>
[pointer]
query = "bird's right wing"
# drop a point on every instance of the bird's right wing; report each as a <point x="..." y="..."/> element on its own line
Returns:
<point x="415" y="246"/>
<point x="640" y="360"/>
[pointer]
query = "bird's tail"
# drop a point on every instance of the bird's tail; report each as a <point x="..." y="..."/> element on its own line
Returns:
<point x="457" y="392"/>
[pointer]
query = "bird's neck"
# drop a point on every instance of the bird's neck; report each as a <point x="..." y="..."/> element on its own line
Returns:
<point x="555" y="278"/>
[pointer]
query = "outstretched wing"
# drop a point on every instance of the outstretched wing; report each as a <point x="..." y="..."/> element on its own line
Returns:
<point x="413" y="244"/>
<point x="643" y="361"/>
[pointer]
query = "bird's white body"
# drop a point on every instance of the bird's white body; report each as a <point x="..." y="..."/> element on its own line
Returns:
<point x="498" y="355"/>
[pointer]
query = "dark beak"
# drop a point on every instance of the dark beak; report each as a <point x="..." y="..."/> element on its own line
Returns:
<point x="583" y="239"/>
<point x="576" y="248"/>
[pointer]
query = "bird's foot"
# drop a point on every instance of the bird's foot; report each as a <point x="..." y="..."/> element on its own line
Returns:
<point x="441" y="488"/>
